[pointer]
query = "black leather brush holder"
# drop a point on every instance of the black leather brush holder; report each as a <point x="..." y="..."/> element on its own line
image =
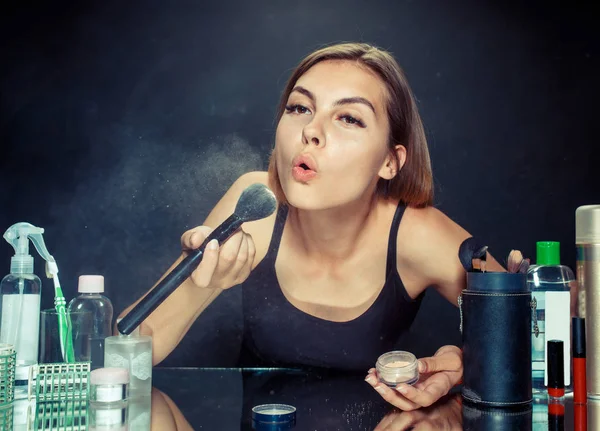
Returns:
<point x="496" y="315"/>
<point x="496" y="419"/>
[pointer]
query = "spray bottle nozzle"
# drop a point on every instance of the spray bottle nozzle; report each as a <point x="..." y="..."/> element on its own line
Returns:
<point x="18" y="235"/>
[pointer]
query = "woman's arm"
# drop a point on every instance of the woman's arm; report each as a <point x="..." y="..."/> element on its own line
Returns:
<point x="430" y="241"/>
<point x="434" y="242"/>
<point x="221" y="268"/>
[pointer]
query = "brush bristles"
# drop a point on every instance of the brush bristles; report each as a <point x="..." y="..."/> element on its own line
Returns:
<point x="257" y="201"/>
<point x="516" y="262"/>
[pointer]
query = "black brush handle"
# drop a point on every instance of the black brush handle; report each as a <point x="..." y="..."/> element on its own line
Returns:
<point x="178" y="275"/>
<point x="471" y="248"/>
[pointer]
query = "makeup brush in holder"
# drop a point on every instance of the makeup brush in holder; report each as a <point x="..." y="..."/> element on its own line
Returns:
<point x="516" y="263"/>
<point x="496" y="313"/>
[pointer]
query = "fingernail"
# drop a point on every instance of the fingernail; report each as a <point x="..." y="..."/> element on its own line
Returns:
<point x="380" y="389"/>
<point x="370" y="379"/>
<point x="213" y="244"/>
<point x="402" y="389"/>
<point x="422" y="367"/>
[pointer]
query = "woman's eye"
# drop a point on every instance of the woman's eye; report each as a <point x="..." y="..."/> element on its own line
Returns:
<point x="349" y="119"/>
<point x="296" y="109"/>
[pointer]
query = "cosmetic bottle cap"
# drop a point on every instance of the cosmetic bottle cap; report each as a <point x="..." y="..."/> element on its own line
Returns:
<point x="547" y="253"/>
<point x="556" y="376"/>
<point x="578" y="337"/>
<point x="587" y="224"/>
<point x="91" y="284"/>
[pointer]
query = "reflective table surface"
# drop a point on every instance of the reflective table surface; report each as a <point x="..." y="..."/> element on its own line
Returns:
<point x="223" y="399"/>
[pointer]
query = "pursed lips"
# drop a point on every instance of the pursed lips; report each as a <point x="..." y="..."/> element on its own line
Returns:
<point x="304" y="168"/>
<point x="305" y="162"/>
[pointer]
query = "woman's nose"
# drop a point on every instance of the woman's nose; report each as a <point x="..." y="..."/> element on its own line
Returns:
<point x="313" y="134"/>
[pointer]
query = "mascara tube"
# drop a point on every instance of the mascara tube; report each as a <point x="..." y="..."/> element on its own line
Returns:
<point x="579" y="384"/>
<point x="556" y="373"/>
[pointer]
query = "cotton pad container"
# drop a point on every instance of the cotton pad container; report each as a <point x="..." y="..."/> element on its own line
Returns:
<point x="109" y="385"/>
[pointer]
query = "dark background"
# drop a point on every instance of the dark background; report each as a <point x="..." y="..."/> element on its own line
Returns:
<point x="123" y="122"/>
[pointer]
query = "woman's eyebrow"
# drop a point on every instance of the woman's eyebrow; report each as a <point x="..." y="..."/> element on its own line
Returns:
<point x="344" y="101"/>
<point x="357" y="99"/>
<point x="304" y="91"/>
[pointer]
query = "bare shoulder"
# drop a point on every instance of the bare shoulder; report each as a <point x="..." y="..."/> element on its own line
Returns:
<point x="427" y="233"/>
<point x="431" y="223"/>
<point x="427" y="229"/>
<point x="428" y="243"/>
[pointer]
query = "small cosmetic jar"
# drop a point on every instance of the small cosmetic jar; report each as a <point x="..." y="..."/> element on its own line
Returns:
<point x="102" y="417"/>
<point x="273" y="417"/>
<point x="109" y="385"/>
<point x="397" y="367"/>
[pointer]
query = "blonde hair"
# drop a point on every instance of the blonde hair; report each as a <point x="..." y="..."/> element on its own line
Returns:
<point x="413" y="185"/>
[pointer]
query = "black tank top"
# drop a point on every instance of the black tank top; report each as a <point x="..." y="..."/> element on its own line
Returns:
<point x="276" y="333"/>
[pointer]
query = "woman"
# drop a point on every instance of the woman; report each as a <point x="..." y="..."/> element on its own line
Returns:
<point x="336" y="275"/>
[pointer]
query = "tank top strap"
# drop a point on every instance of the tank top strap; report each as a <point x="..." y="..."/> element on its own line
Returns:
<point x="393" y="239"/>
<point x="280" y="218"/>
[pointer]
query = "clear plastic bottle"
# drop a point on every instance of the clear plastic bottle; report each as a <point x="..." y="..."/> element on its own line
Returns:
<point x="91" y="300"/>
<point x="134" y="353"/>
<point x="20" y="295"/>
<point x="550" y="284"/>
<point x="20" y="298"/>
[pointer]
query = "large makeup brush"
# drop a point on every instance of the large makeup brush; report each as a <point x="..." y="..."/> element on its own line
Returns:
<point x="256" y="202"/>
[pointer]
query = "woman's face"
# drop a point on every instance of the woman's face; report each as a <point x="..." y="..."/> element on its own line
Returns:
<point x="331" y="142"/>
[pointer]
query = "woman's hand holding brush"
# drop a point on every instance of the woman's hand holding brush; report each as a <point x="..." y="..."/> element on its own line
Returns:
<point x="221" y="267"/>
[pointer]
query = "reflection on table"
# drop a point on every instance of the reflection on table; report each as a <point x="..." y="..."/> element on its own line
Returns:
<point x="156" y="411"/>
<point x="222" y="399"/>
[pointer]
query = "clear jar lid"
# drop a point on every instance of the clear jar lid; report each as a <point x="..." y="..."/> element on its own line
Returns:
<point x="397" y="367"/>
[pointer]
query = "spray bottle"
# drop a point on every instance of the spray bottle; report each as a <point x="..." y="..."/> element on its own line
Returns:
<point x="20" y="297"/>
